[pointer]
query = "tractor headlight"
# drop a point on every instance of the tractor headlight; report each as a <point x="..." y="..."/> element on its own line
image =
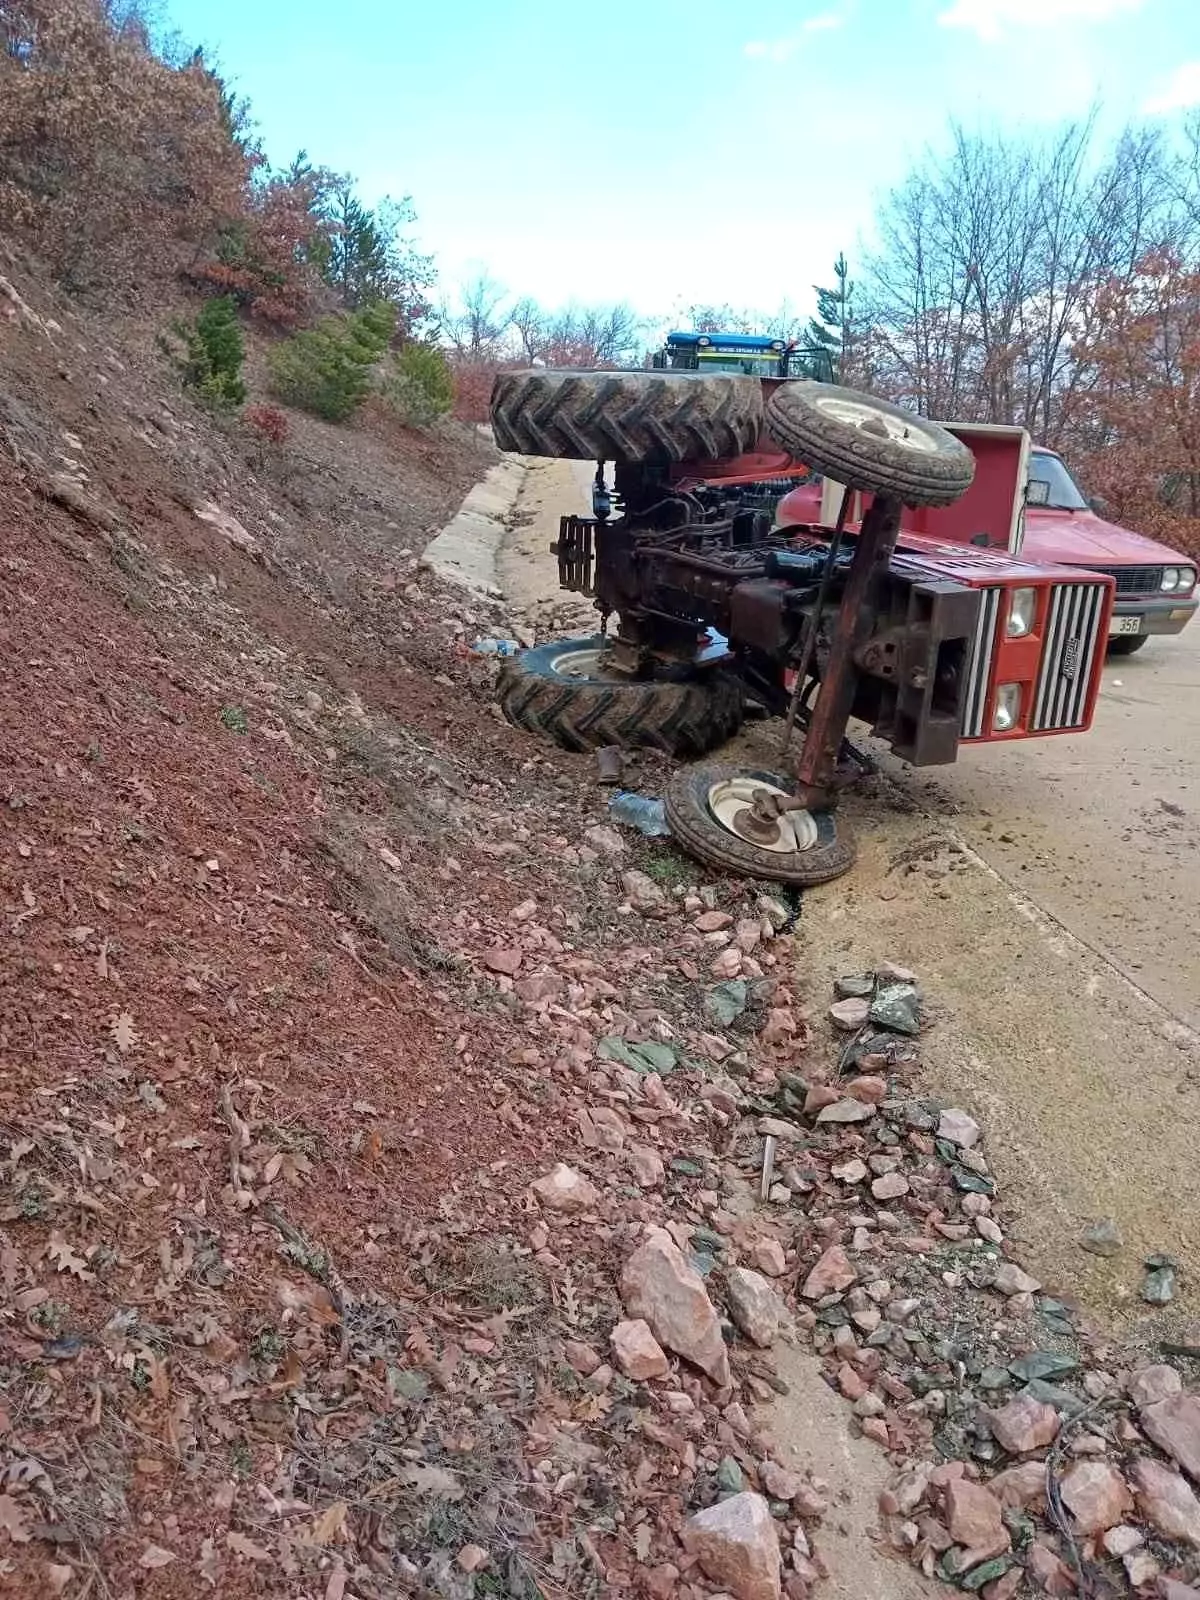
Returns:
<point x="704" y="343"/>
<point x="778" y="344"/>
<point x="1008" y="707"/>
<point x="1170" y="578"/>
<point x="1187" y="578"/>
<point x="1022" y="608"/>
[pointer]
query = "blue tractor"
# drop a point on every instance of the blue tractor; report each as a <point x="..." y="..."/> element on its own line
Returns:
<point x="757" y="355"/>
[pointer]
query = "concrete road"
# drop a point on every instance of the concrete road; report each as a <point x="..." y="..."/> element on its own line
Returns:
<point x="1048" y="894"/>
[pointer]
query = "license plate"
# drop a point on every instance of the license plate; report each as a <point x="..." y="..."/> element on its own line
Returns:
<point x="1123" y="625"/>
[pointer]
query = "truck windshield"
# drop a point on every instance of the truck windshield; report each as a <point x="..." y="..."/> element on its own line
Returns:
<point x="1062" y="490"/>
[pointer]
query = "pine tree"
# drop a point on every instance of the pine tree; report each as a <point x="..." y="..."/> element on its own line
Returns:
<point x="830" y="328"/>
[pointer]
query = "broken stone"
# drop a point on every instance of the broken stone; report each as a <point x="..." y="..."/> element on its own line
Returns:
<point x="607" y="840"/>
<point x="1174" y="1426"/>
<point x="1159" y="1287"/>
<point x="1049" y="1573"/>
<point x="735" y="1545"/>
<point x="1152" y="1384"/>
<point x="846" y="1111"/>
<point x="1122" y="1539"/>
<point x="1022" y="1486"/>
<point x="1011" y="1280"/>
<point x="768" y="1257"/>
<point x="1166" y="1500"/>
<point x="1023" y="1425"/>
<point x="638" y="1353"/>
<point x="581" y="1357"/>
<point x="566" y="1190"/>
<point x="1102" y="1238"/>
<point x="818" y="1097"/>
<point x="505" y="962"/>
<point x="1096" y="1495"/>
<point x="890" y="1187"/>
<point x="755" y="1306"/>
<point x="1140" y="1568"/>
<point x="1006" y="1587"/>
<point x="644" y="894"/>
<point x="849" y="1172"/>
<point x="974" y="1517"/>
<point x="850" y="1014"/>
<point x="779" y="1483"/>
<point x="473" y="1558"/>
<point x="957" y="1128"/>
<point x="647" y="1164"/>
<point x="539" y="987"/>
<point x="871" y="1091"/>
<point x="989" y="1230"/>
<point x="831" y="1275"/>
<point x="1171" y="1589"/>
<point x="659" y="1286"/>
<point x="712" y="921"/>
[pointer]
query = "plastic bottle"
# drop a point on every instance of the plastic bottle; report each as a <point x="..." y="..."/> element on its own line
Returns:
<point x="496" y="647"/>
<point x="636" y="811"/>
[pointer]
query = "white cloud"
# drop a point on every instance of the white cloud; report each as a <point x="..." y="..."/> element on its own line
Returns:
<point x="989" y="18"/>
<point x="780" y="50"/>
<point x="1181" y="89"/>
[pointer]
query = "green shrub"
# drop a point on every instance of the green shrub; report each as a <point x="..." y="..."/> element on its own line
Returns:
<point x="418" y="387"/>
<point x="213" y="355"/>
<point x="327" y="369"/>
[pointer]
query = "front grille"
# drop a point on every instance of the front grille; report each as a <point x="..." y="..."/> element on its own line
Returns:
<point x="980" y="665"/>
<point x="1134" y="580"/>
<point x="1070" y="639"/>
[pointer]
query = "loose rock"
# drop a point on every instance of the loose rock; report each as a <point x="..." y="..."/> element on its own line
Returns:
<point x="1011" y="1280"/>
<point x="1174" y="1426"/>
<point x="644" y="894"/>
<point x="974" y="1516"/>
<point x="831" y="1274"/>
<point x="755" y="1306"/>
<point x="566" y="1190"/>
<point x="736" y="1545"/>
<point x="1049" y="1573"/>
<point x="1102" y="1238"/>
<point x="607" y="840"/>
<point x="957" y="1128"/>
<point x="846" y="1111"/>
<point x="1152" y="1384"/>
<point x="1096" y="1495"/>
<point x="768" y="1257"/>
<point x="1023" y="1425"/>
<point x="659" y="1286"/>
<point x="1023" y="1486"/>
<point x="638" y="1353"/>
<point x="1166" y="1500"/>
<point x="851" y="1014"/>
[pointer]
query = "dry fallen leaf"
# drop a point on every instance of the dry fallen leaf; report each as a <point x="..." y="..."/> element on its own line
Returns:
<point x="329" y="1524"/>
<point x="306" y="1300"/>
<point x="155" y="1556"/>
<point x="57" y="1577"/>
<point x="241" y="1546"/>
<point x="65" y="1259"/>
<point x="12" y="1520"/>
<point x="434" y="1481"/>
<point x="210" y="1563"/>
<point x="124" y="1033"/>
<point x="336" y="1587"/>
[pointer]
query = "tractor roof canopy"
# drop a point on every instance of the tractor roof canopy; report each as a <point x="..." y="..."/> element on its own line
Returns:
<point x="727" y="341"/>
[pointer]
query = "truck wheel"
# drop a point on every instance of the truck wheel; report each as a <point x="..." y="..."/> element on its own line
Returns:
<point x="1127" y="644"/>
<point x="564" y="692"/>
<point x="626" y="416"/>
<point x="702" y="805"/>
<point x="867" y="443"/>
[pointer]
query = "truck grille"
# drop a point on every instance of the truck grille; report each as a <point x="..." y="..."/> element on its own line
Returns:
<point x="980" y="665"/>
<point x="1069" y="645"/>
<point x="1070" y="640"/>
<point x="1134" y="580"/>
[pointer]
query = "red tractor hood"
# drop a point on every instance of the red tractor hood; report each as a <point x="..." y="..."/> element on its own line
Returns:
<point x="1075" y="538"/>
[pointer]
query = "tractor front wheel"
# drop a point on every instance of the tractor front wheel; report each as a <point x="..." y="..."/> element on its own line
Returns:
<point x="565" y="692"/>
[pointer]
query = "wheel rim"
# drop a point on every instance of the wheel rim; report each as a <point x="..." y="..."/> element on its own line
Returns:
<point x="858" y="413"/>
<point x="730" y="797"/>
<point x="584" y="666"/>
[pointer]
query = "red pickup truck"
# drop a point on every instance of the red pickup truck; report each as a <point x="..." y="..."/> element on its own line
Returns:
<point x="1155" y="585"/>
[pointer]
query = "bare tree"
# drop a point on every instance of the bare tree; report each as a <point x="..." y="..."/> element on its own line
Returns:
<point x="476" y="321"/>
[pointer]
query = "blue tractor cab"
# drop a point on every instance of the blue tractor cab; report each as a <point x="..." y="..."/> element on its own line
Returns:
<point x="758" y="355"/>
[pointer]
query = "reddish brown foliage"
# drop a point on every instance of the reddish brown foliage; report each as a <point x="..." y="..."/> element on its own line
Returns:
<point x="473" y="387"/>
<point x="268" y="422"/>
<point x="265" y="258"/>
<point x="108" y="155"/>
<point x="1143" y="409"/>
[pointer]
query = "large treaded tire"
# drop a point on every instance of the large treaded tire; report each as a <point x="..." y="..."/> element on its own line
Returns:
<point x="626" y="416"/>
<point x="685" y="716"/>
<point x="917" y="462"/>
<point x="1127" y="644"/>
<point x="698" y="832"/>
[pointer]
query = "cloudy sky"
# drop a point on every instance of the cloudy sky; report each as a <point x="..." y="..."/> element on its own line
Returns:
<point x="670" y="151"/>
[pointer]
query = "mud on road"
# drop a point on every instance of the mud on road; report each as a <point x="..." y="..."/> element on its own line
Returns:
<point x="1046" y="892"/>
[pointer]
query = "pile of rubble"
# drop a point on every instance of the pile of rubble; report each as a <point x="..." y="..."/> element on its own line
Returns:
<point x="828" y="1199"/>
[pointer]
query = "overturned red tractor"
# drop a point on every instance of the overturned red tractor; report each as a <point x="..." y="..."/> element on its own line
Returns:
<point x="933" y="644"/>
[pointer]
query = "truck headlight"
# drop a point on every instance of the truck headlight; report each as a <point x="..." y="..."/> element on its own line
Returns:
<point x="1008" y="707"/>
<point x="1170" y="578"/>
<point x="1022" y="607"/>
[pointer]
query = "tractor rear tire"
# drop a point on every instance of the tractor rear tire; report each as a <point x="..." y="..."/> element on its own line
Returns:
<point x="654" y="416"/>
<point x="866" y="443"/>
<point x="584" y="708"/>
